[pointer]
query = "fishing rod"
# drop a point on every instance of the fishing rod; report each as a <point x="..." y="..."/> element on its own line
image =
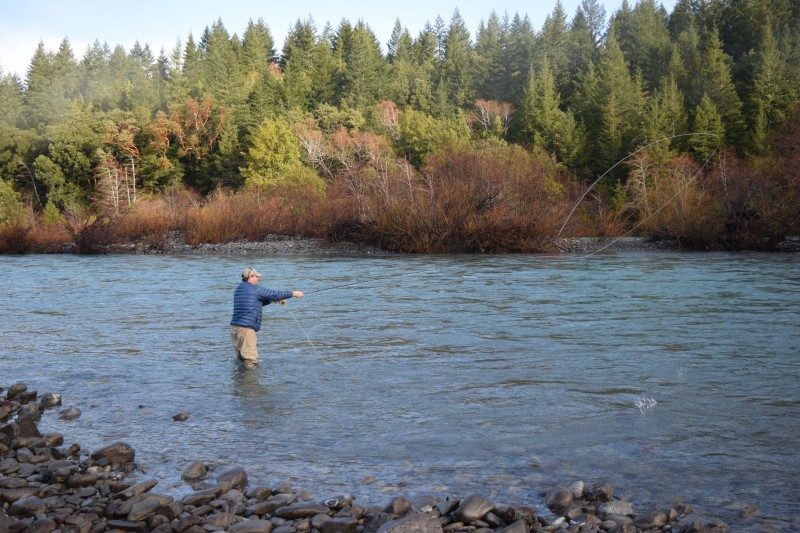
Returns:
<point x="341" y="286"/>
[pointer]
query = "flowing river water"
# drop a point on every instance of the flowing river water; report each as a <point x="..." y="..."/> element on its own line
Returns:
<point x="673" y="377"/>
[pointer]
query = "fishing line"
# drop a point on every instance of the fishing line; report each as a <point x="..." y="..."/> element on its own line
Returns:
<point x="719" y="143"/>
<point x="371" y="280"/>
<point x="317" y="351"/>
<point x="654" y="213"/>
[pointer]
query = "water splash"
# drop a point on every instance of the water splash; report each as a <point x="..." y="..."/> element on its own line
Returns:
<point x="644" y="403"/>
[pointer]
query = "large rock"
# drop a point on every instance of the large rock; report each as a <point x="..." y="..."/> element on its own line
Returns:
<point x="50" y="399"/>
<point x="12" y="495"/>
<point x="415" y="523"/>
<point x="117" y="454"/>
<point x="16" y="389"/>
<point x="70" y="413"/>
<point x="301" y="510"/>
<point x="202" y="496"/>
<point x="147" y="507"/>
<point x="344" y="524"/>
<point x="558" y="498"/>
<point x="602" y="492"/>
<point x="194" y="471"/>
<point x="617" y="507"/>
<point x="139" y="488"/>
<point x="398" y="506"/>
<point x="251" y="526"/>
<point x="28" y="505"/>
<point x="517" y="527"/>
<point x="515" y="512"/>
<point x="471" y="509"/>
<point x="235" y="478"/>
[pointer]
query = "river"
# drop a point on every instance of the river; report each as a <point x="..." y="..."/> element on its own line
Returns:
<point x="674" y="377"/>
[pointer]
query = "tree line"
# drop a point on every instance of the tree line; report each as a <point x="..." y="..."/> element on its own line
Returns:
<point x="443" y="142"/>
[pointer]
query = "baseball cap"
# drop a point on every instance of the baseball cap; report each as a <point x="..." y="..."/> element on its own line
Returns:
<point x="247" y="272"/>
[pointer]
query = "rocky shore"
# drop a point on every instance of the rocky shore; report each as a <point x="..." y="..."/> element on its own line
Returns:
<point x="48" y="486"/>
<point x="286" y="245"/>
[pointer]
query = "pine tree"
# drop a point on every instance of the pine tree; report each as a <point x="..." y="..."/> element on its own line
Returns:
<point x="585" y="33"/>
<point x="95" y="77"/>
<point x="10" y="100"/>
<point x="363" y="74"/>
<point x="717" y="83"/>
<point x="324" y="71"/>
<point x="457" y="79"/>
<point x="708" y="122"/>
<point x="553" y="46"/>
<point x="522" y="44"/>
<point x="192" y="74"/>
<point x="38" y="86"/>
<point x="258" y="49"/>
<point x="398" y="47"/>
<point x="222" y="74"/>
<point x="296" y="60"/>
<point x="491" y="81"/>
<point x="543" y="123"/>
<point x="770" y="94"/>
<point x="644" y="39"/>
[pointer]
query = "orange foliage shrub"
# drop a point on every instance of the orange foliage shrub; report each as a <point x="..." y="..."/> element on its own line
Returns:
<point x="496" y="198"/>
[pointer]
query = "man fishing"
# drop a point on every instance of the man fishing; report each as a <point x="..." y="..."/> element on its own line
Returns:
<point x="248" y="299"/>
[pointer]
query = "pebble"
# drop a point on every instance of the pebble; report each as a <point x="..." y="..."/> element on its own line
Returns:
<point x="44" y="487"/>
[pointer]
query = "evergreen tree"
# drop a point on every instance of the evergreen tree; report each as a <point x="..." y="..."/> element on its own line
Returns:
<point x="644" y="39"/>
<point x="404" y="73"/>
<point x="38" y="87"/>
<point x="770" y="94"/>
<point x="274" y="161"/>
<point x="681" y="18"/>
<point x="690" y="62"/>
<point x="522" y="43"/>
<point x="65" y="72"/>
<point x="584" y="38"/>
<point x="11" y="100"/>
<point x="621" y="105"/>
<point x="296" y="60"/>
<point x="708" y="121"/>
<point x="324" y="70"/>
<point x="140" y="91"/>
<point x="665" y="116"/>
<point x="398" y="48"/>
<point x="222" y="73"/>
<point x="717" y="82"/>
<point x="192" y="74"/>
<point x="553" y="46"/>
<point x="542" y="122"/>
<point x="258" y="49"/>
<point x="456" y="79"/>
<point x="490" y="72"/>
<point x="363" y="68"/>
<point x="95" y="77"/>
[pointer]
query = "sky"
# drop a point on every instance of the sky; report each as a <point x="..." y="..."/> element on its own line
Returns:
<point x="163" y="23"/>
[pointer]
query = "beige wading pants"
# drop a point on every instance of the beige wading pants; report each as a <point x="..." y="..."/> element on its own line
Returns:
<point x="244" y="341"/>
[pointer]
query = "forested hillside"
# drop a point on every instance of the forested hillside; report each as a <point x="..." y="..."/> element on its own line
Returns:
<point x="685" y="124"/>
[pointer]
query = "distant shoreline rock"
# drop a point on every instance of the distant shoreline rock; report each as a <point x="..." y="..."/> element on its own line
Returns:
<point x="286" y="245"/>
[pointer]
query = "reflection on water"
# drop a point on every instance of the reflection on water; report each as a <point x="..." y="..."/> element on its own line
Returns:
<point x="673" y="377"/>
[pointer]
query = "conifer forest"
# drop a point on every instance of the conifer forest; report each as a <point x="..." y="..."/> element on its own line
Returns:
<point x="681" y="125"/>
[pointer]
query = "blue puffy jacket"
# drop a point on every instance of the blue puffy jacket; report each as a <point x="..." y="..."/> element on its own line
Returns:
<point x="248" y="300"/>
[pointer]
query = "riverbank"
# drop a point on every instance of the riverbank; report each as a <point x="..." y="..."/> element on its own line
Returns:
<point x="46" y="485"/>
<point x="285" y="245"/>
